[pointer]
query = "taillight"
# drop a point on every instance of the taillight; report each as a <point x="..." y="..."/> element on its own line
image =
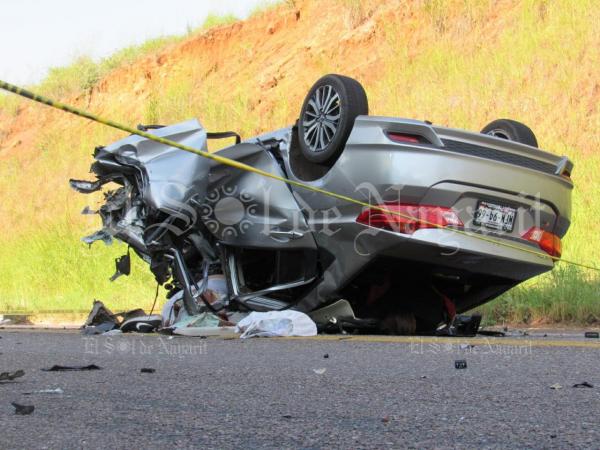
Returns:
<point x="547" y="241"/>
<point x="566" y="174"/>
<point x="405" y="138"/>
<point x="408" y="218"/>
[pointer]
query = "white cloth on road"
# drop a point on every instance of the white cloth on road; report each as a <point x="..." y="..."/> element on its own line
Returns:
<point x="276" y="323"/>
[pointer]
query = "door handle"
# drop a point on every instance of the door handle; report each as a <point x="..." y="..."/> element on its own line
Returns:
<point x="280" y="234"/>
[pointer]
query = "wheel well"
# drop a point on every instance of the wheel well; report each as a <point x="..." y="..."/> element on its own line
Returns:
<point x="302" y="168"/>
<point x="389" y="285"/>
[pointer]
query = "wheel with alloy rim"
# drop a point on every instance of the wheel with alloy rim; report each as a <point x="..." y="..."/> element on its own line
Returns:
<point x="511" y="130"/>
<point x="328" y="115"/>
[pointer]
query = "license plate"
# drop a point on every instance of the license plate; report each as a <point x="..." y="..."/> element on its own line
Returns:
<point x="494" y="216"/>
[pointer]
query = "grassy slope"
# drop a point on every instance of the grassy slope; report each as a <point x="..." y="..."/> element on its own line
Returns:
<point x="456" y="63"/>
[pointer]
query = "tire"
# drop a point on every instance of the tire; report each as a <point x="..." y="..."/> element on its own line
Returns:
<point x="511" y="130"/>
<point x="327" y="117"/>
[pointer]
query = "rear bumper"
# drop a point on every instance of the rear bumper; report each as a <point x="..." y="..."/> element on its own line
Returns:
<point x="458" y="252"/>
<point x="413" y="261"/>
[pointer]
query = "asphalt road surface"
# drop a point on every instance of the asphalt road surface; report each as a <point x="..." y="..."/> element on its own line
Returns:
<point x="369" y="392"/>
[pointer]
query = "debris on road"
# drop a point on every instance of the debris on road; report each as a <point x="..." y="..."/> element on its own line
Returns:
<point x="9" y="376"/>
<point x="214" y="318"/>
<point x="585" y="384"/>
<point x="556" y="386"/>
<point x="4" y="321"/>
<point x="142" y="324"/>
<point x="326" y="355"/>
<point x="102" y="320"/>
<point x="385" y="419"/>
<point x="57" y="368"/>
<point x="492" y="333"/>
<point x="460" y="364"/>
<point x="592" y="334"/>
<point x="202" y="325"/>
<point x="462" y="325"/>
<point x="147" y="370"/>
<point x="214" y="292"/>
<point x="98" y="329"/>
<point x="115" y="332"/>
<point x="99" y="320"/>
<point x="22" y="410"/>
<point x="320" y="371"/>
<point x="46" y="391"/>
<point x="276" y="323"/>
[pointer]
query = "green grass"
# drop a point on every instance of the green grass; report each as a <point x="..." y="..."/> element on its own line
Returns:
<point x="73" y="275"/>
<point x="565" y="295"/>
<point x="9" y="104"/>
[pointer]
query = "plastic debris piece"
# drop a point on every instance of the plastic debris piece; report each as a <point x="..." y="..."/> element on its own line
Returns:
<point x="50" y="391"/>
<point x="492" y="333"/>
<point x="320" y="371"/>
<point x="103" y="328"/>
<point x="100" y="235"/>
<point x="22" y="410"/>
<point x="585" y="384"/>
<point x="46" y="391"/>
<point x="115" y="332"/>
<point x="385" y="419"/>
<point x="122" y="266"/>
<point x="9" y="376"/>
<point x="142" y="324"/>
<point x="57" y="368"/>
<point x="202" y="320"/>
<point x="460" y="364"/>
<point x="461" y="325"/>
<point x="100" y="320"/>
<point x="556" y="386"/>
<point x="147" y="370"/>
<point x="592" y="334"/>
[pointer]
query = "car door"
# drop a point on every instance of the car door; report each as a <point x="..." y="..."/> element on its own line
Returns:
<point x="267" y="242"/>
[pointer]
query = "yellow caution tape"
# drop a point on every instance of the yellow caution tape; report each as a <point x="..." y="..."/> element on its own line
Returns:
<point x="238" y="165"/>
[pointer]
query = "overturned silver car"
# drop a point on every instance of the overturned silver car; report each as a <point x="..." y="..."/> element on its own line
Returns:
<point x="478" y="213"/>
